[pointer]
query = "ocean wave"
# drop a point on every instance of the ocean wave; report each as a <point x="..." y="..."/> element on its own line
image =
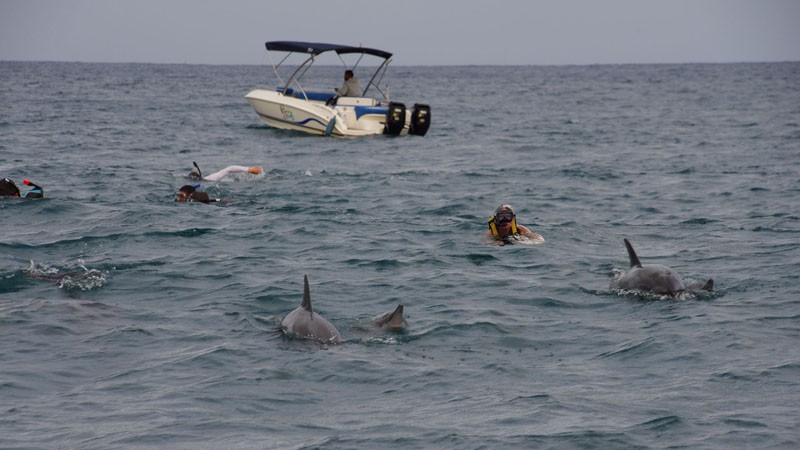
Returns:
<point x="75" y="280"/>
<point x="633" y="349"/>
<point x="13" y="282"/>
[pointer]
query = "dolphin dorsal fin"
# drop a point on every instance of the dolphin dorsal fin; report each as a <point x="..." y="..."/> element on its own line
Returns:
<point x="397" y="314"/>
<point x="391" y="320"/>
<point x="632" y="255"/>
<point x="306" y="295"/>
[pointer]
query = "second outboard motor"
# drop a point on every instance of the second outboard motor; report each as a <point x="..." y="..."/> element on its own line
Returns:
<point x="395" y="119"/>
<point x="420" y="119"/>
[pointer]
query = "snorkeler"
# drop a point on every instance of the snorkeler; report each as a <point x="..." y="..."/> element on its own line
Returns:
<point x="503" y="227"/>
<point x="254" y="170"/>
<point x="9" y="189"/>
<point x="189" y="193"/>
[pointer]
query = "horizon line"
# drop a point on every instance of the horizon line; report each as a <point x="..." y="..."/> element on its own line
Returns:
<point x="787" y="61"/>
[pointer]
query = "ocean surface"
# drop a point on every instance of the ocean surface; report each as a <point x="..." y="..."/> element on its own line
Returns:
<point x="129" y="321"/>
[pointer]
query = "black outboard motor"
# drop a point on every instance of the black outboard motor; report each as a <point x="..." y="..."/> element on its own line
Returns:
<point x="395" y="119"/>
<point x="420" y="119"/>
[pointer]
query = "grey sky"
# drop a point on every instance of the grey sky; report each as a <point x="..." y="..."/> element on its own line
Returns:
<point x="424" y="32"/>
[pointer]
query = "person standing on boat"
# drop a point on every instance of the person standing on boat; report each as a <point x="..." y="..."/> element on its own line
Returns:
<point x="503" y="227"/>
<point x="351" y="86"/>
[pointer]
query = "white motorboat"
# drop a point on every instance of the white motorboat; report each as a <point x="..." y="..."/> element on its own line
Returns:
<point x="291" y="106"/>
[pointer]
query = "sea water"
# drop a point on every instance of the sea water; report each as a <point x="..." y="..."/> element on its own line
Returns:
<point x="163" y="335"/>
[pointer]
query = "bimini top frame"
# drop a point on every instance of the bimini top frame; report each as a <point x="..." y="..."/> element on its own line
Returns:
<point x="315" y="48"/>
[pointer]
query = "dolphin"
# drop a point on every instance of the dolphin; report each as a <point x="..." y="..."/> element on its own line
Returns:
<point x="391" y="320"/>
<point x="655" y="278"/>
<point x="303" y="322"/>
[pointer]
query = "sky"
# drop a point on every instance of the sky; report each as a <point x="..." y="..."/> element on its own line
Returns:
<point x="418" y="32"/>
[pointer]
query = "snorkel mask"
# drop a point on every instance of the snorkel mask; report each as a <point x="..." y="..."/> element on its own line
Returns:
<point x="504" y="217"/>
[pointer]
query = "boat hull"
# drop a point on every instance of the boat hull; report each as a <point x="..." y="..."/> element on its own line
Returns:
<point x="351" y="116"/>
<point x="288" y="113"/>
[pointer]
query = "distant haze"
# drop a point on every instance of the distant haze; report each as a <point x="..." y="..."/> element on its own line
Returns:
<point x="418" y="32"/>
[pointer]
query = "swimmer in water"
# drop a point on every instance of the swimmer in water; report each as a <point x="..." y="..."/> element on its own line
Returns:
<point x="9" y="189"/>
<point x="254" y="170"/>
<point x="189" y="193"/>
<point x="504" y="229"/>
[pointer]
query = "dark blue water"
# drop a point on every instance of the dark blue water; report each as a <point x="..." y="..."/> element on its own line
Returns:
<point x="131" y="321"/>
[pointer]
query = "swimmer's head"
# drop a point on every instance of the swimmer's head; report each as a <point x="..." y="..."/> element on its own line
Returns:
<point x="8" y="188"/>
<point x="504" y="213"/>
<point x="184" y="194"/>
<point x="255" y="170"/>
<point x="189" y="193"/>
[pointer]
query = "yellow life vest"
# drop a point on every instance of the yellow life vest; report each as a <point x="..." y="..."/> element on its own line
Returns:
<point x="493" y="227"/>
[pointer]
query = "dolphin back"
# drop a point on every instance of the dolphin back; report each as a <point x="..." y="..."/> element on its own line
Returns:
<point x="302" y="322"/>
<point x="655" y="278"/>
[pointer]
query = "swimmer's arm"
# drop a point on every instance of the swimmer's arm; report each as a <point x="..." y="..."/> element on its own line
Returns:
<point x="216" y="176"/>
<point x="256" y="170"/>
<point x="524" y="231"/>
